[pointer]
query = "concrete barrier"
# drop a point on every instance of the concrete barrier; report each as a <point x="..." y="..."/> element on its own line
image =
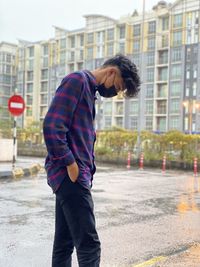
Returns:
<point x="20" y="172"/>
<point x="6" y="152"/>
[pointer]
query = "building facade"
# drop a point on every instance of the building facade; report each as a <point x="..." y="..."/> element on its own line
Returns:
<point x="7" y="76"/>
<point x="165" y="45"/>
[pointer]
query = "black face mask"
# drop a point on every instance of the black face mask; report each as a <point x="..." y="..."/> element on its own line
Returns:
<point x="106" y="92"/>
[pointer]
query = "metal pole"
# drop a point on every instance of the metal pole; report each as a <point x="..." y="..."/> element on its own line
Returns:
<point x="14" y="137"/>
<point x="14" y="141"/>
<point x="141" y="74"/>
<point x="190" y="115"/>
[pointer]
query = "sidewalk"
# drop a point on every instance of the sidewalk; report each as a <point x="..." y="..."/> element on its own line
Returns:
<point x="24" y="166"/>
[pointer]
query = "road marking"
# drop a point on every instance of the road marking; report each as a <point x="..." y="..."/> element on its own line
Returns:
<point x="150" y="262"/>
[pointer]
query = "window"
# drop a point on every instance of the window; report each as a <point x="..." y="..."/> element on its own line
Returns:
<point x="90" y="52"/>
<point x="72" y="41"/>
<point x="175" y="105"/>
<point x="133" y="123"/>
<point x="178" y="20"/>
<point x="163" y="57"/>
<point x="187" y="90"/>
<point x="80" y="66"/>
<point x="175" y="89"/>
<point x="119" y="121"/>
<point x="30" y="88"/>
<point x="90" y="38"/>
<point x="149" y="91"/>
<point x="161" y="107"/>
<point x="165" y="23"/>
<point x="122" y="32"/>
<point x="176" y="71"/>
<point x="133" y="107"/>
<point x="149" y="106"/>
<point x="188" y="72"/>
<point x="29" y="100"/>
<point x="177" y="38"/>
<point x="119" y="108"/>
<point x="81" y="55"/>
<point x="161" y="124"/>
<point x="151" y="43"/>
<point x="176" y="54"/>
<point x="188" y="53"/>
<point x="8" y="69"/>
<point x="63" y="43"/>
<point x="29" y="75"/>
<point x="165" y="41"/>
<point x="136" y="59"/>
<point x="100" y="52"/>
<point x="100" y="37"/>
<point x="122" y="48"/>
<point x="43" y="99"/>
<point x="108" y="108"/>
<point x="152" y="27"/>
<point x="163" y="74"/>
<point x="45" y="62"/>
<point x="149" y="123"/>
<point x="8" y="58"/>
<point x="136" y="30"/>
<point x="44" y="86"/>
<point x="81" y="40"/>
<point x="150" y="75"/>
<point x="72" y="56"/>
<point x="162" y="90"/>
<point x="195" y="71"/>
<point x="44" y="75"/>
<point x="110" y="34"/>
<point x="62" y="57"/>
<point x="71" y="67"/>
<point x="150" y="58"/>
<point x="31" y="51"/>
<point x="45" y="49"/>
<point x="108" y="122"/>
<point x="20" y="76"/>
<point x="110" y="49"/>
<point x="136" y="46"/>
<point x="174" y="123"/>
<point x="194" y="87"/>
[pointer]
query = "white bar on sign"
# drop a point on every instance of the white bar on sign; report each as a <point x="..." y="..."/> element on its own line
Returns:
<point x="16" y="105"/>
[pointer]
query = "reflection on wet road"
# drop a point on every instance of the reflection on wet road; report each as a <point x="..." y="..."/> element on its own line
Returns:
<point x="140" y="215"/>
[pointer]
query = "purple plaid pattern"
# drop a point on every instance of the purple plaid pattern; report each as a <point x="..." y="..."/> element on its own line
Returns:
<point x="69" y="131"/>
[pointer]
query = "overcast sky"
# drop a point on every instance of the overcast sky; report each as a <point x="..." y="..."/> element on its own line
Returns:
<point x="32" y="20"/>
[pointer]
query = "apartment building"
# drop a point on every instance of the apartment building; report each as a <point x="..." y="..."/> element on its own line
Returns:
<point x="7" y="76"/>
<point x="165" y="45"/>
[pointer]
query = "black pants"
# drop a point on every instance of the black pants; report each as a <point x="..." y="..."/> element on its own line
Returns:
<point x="75" y="227"/>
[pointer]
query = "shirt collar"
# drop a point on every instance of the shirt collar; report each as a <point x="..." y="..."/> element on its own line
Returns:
<point x="92" y="79"/>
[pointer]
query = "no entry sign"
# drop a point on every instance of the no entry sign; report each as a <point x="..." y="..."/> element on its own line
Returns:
<point x="16" y="105"/>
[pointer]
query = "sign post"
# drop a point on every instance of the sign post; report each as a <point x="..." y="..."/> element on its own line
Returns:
<point x="16" y="106"/>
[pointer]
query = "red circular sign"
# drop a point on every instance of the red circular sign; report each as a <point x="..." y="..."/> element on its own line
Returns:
<point x="16" y="105"/>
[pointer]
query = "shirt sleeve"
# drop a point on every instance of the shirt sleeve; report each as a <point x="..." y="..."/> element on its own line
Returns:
<point x="59" y="117"/>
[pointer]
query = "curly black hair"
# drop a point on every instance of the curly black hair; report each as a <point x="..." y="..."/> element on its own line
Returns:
<point x="129" y="73"/>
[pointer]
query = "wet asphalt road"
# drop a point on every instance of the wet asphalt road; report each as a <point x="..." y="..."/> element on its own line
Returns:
<point x="139" y="214"/>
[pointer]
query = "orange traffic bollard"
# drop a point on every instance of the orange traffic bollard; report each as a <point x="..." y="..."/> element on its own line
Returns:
<point x="141" y="161"/>
<point x="195" y="167"/>
<point x="164" y="164"/>
<point x="129" y="160"/>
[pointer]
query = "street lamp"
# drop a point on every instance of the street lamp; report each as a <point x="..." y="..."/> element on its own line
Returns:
<point x="190" y="105"/>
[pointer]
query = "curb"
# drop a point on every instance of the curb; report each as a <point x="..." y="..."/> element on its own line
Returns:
<point x="20" y="172"/>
